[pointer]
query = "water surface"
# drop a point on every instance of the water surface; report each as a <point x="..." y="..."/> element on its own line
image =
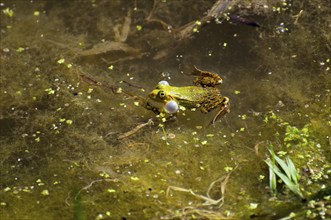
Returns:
<point x="60" y="154"/>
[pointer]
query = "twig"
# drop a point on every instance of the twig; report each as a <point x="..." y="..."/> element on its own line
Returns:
<point x="134" y="130"/>
<point x="297" y="17"/>
<point x="91" y="184"/>
<point x="207" y="198"/>
<point x="185" y="31"/>
<point x="208" y="201"/>
<point x="216" y="11"/>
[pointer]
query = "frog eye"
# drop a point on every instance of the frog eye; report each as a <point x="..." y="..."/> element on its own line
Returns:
<point x="161" y="94"/>
<point x="163" y="82"/>
<point x="171" y="107"/>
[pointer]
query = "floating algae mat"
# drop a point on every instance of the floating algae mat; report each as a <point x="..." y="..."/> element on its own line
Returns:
<point x="77" y="142"/>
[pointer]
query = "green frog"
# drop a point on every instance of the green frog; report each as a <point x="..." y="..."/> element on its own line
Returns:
<point x="203" y="95"/>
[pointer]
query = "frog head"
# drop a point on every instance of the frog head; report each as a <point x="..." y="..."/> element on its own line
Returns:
<point x="161" y="100"/>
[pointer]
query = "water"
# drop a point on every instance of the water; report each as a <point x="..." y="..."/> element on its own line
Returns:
<point x="60" y="157"/>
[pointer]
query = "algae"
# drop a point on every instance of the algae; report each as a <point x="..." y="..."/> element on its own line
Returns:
<point x="60" y="156"/>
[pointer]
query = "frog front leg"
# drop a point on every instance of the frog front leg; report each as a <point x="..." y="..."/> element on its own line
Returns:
<point x="222" y="103"/>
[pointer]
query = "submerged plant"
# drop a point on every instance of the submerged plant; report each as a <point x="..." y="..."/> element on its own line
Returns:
<point x="208" y="209"/>
<point x="288" y="173"/>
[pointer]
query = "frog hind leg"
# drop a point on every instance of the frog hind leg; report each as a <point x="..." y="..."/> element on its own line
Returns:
<point x="206" y="79"/>
<point x="224" y="109"/>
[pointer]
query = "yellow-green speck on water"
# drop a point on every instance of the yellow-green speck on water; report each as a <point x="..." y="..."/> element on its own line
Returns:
<point x="61" y="119"/>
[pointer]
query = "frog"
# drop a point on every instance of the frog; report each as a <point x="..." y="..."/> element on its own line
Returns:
<point x="204" y="95"/>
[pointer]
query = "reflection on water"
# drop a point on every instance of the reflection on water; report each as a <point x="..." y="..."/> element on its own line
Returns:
<point x="60" y="155"/>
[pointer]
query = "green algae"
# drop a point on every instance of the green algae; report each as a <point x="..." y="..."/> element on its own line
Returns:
<point x="59" y="154"/>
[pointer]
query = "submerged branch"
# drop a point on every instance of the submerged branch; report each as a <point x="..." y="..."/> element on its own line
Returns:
<point x="208" y="201"/>
<point x="109" y="46"/>
<point x="187" y="30"/>
<point x="134" y="130"/>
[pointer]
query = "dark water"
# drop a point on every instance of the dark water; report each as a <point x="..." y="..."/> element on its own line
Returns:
<point x="60" y="154"/>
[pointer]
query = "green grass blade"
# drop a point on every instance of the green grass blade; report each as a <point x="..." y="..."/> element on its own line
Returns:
<point x="293" y="171"/>
<point x="288" y="182"/>
<point x="273" y="181"/>
<point x="291" y="177"/>
<point x="283" y="165"/>
<point x="272" y="177"/>
<point x="293" y="187"/>
<point x="271" y="151"/>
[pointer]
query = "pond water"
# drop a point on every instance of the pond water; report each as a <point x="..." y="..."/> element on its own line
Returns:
<point x="72" y="147"/>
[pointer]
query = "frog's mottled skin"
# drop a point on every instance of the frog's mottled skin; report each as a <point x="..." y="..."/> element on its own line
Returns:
<point x="204" y="96"/>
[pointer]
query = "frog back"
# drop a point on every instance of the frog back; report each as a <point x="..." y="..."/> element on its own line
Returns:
<point x="189" y="96"/>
